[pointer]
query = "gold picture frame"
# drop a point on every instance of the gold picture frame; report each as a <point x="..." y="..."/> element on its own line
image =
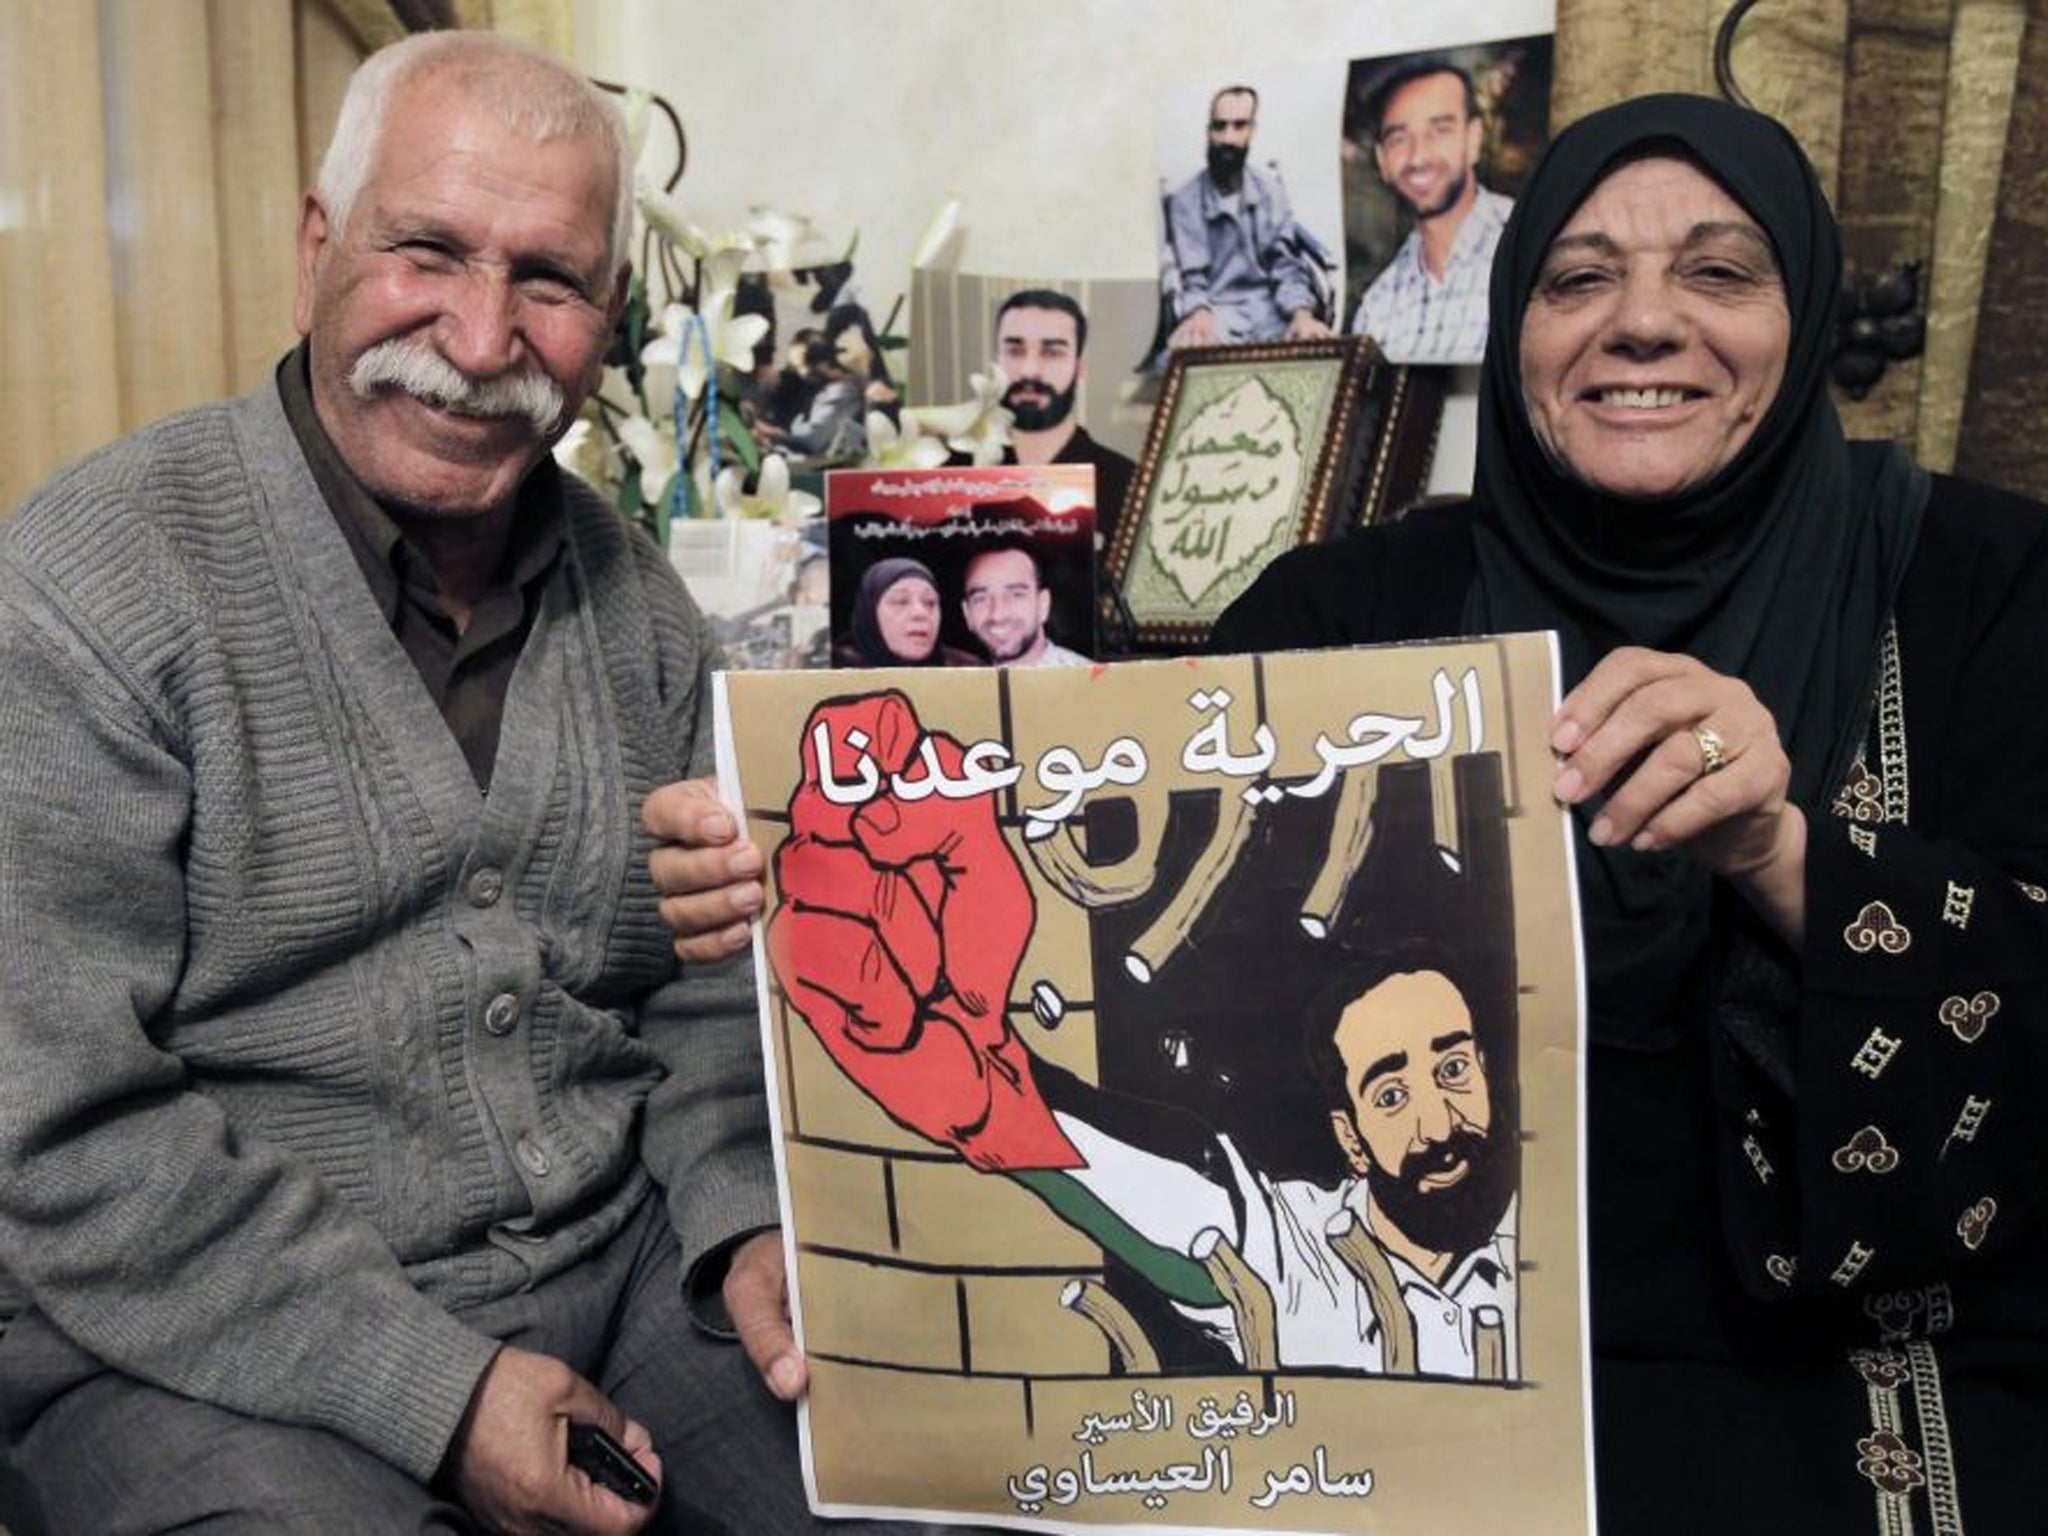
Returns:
<point x="1254" y="450"/>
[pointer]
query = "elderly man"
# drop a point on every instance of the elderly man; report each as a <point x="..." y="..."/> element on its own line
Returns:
<point x="1243" y="273"/>
<point x="359" y="1135"/>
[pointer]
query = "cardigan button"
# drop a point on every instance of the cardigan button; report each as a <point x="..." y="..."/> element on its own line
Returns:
<point x="486" y="886"/>
<point x="533" y="1157"/>
<point x="501" y="1014"/>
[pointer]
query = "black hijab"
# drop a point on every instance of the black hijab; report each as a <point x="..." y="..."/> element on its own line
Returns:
<point x="1780" y="570"/>
<point x="865" y="626"/>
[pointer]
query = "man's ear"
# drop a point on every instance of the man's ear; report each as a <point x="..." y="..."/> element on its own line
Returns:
<point x="1379" y="160"/>
<point x="1044" y="605"/>
<point x="614" y="306"/>
<point x="312" y="243"/>
<point x="1475" y="140"/>
<point x="622" y="290"/>
<point x="1347" y="1138"/>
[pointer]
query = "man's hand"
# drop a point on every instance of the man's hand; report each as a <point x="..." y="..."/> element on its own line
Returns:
<point x="1689" y="758"/>
<point x="757" y="1300"/>
<point x="511" y="1451"/>
<point x="1304" y="325"/>
<point x="1197" y="330"/>
<point x="708" y="875"/>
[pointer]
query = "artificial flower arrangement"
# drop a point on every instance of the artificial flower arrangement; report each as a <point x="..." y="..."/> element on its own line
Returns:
<point x="669" y="432"/>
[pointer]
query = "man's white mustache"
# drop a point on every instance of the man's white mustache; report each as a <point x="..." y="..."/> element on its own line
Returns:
<point x="415" y="368"/>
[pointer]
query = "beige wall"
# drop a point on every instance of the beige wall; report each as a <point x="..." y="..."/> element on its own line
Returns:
<point x="1039" y="116"/>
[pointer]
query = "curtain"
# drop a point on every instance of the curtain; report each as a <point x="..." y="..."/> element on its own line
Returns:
<point x="152" y="158"/>
<point x="2000" y="438"/>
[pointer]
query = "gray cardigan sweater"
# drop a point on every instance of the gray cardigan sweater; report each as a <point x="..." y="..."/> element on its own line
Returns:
<point x="306" y="1044"/>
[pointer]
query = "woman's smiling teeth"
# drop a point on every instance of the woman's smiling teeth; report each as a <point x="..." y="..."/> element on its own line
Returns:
<point x="1643" y="399"/>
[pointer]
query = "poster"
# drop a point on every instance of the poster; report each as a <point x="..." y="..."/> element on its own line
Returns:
<point x="968" y="566"/>
<point x="1175" y="1069"/>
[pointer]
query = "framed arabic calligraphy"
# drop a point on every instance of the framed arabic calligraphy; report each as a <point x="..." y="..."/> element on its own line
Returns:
<point x="1254" y="450"/>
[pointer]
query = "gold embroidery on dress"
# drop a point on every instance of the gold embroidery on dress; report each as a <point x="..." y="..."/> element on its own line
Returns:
<point x="1896" y="1468"/>
<point x="1861" y="797"/>
<point x="1883" y="1455"/>
<point x="1891" y="726"/>
<point x="1967" y="1122"/>
<point x="1876" y="928"/>
<point x="1853" y="1262"/>
<point x="1955" y="906"/>
<point x="1922" y="1311"/>
<point x="1874" y="797"/>
<point x="1875" y="1053"/>
<point x="1943" y="1500"/>
<point x="1967" y="1016"/>
<point x="1866" y="1152"/>
<point x="1757" y="1160"/>
<point x="1975" y="1223"/>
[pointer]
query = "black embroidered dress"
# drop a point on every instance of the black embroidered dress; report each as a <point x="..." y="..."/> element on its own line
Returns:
<point x="1816" y="1179"/>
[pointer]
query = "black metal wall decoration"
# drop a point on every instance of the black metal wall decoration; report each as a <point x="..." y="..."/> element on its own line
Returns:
<point x="1724" y="51"/>
<point x="1879" y="323"/>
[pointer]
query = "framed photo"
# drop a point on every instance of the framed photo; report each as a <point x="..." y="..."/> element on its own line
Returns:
<point x="1437" y="145"/>
<point x="970" y="566"/>
<point x="763" y="585"/>
<point x="1254" y="450"/>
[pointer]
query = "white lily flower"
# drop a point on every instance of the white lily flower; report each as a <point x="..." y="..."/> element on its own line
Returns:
<point x="773" y="496"/>
<point x="664" y="214"/>
<point x="784" y="241"/>
<point x="709" y="244"/>
<point x="718" y="271"/>
<point x="678" y="348"/>
<point x="654" y="451"/>
<point x="978" y="427"/>
<point x="890" y="447"/>
<point x="936" y="234"/>
<point x="583" y="450"/>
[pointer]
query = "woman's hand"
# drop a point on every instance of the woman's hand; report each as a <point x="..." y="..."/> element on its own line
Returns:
<point x="1687" y="758"/>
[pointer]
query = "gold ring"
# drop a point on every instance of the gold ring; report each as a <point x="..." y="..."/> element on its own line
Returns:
<point x="1713" y="750"/>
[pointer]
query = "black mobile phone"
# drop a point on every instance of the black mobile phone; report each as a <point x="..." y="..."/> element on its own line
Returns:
<point x="609" y="1464"/>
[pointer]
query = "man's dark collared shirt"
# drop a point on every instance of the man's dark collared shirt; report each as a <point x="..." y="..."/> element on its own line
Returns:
<point x="468" y="671"/>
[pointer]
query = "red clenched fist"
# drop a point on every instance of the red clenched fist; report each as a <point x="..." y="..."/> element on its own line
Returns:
<point x="897" y="933"/>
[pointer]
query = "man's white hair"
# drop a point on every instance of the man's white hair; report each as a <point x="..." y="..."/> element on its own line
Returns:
<point x="533" y="94"/>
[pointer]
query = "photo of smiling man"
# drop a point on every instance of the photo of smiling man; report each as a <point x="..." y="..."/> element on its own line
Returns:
<point x="1442" y="135"/>
<point x="1007" y="603"/>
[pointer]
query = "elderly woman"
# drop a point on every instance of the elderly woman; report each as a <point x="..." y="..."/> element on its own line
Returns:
<point x="896" y="620"/>
<point x="1812" y="826"/>
<point x="1812" y="832"/>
